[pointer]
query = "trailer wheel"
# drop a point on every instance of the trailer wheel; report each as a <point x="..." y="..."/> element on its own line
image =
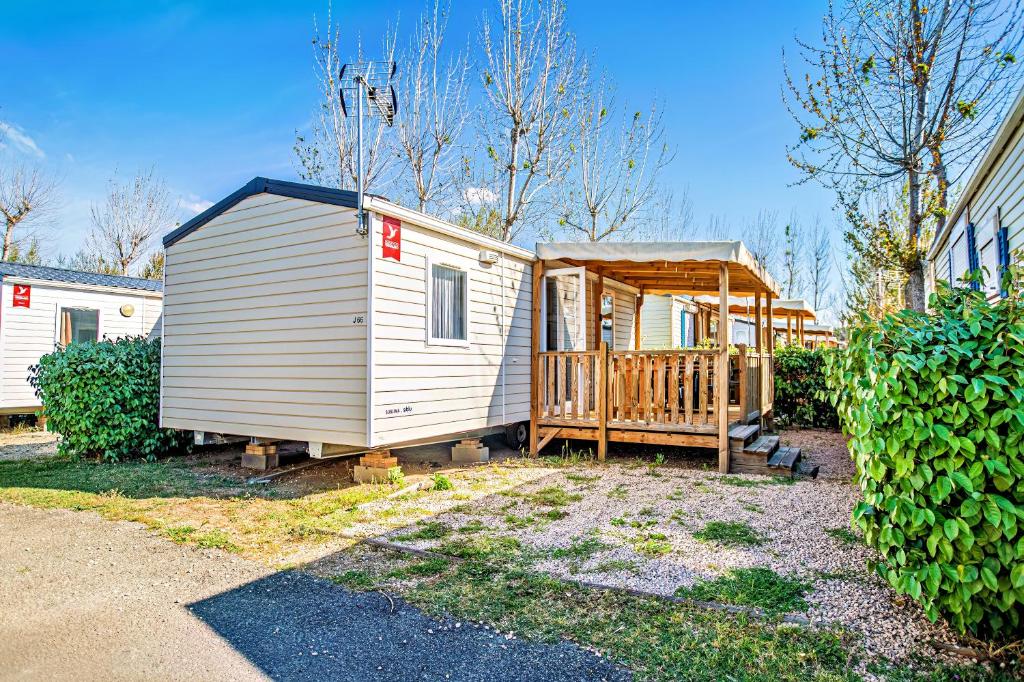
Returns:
<point x="517" y="436"/>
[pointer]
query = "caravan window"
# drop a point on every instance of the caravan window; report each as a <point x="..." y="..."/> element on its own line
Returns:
<point x="78" y="325"/>
<point x="448" y="305"/>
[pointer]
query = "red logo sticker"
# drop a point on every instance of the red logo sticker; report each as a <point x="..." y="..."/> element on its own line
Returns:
<point x="22" y="295"/>
<point x="392" y="238"/>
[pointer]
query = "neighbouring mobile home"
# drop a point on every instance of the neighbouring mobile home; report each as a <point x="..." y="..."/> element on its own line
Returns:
<point x="283" y="320"/>
<point x="43" y="308"/>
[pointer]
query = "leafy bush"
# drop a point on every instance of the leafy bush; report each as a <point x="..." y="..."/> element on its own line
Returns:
<point x="103" y="398"/>
<point x="800" y="388"/>
<point x="933" y="406"/>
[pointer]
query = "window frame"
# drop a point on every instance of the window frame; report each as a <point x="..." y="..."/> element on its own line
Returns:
<point x="61" y="307"/>
<point x="610" y="317"/>
<point x="432" y="340"/>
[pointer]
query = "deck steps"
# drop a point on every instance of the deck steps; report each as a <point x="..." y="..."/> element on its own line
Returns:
<point x="751" y="452"/>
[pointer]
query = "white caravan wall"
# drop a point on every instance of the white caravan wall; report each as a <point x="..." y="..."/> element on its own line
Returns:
<point x="26" y="334"/>
<point x="265" y="327"/>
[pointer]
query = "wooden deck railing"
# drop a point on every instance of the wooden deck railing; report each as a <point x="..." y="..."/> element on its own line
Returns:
<point x="568" y="383"/>
<point x="651" y="389"/>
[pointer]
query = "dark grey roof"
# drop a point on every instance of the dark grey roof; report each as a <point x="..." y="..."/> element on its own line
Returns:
<point x="295" y="190"/>
<point x="77" y="277"/>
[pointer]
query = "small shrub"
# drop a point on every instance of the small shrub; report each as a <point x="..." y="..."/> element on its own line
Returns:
<point x="442" y="482"/>
<point x="731" y="533"/>
<point x="103" y="398"/>
<point x="760" y="587"/>
<point x="933" y="405"/>
<point x="799" y="388"/>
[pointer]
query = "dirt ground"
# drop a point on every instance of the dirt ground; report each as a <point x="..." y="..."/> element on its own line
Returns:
<point x="26" y="444"/>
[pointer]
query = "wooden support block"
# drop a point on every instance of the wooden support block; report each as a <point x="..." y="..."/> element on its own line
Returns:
<point x="261" y="462"/>
<point x="261" y="450"/>
<point x="379" y="460"/>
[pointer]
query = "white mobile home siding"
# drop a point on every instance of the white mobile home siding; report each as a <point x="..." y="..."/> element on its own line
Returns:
<point x="424" y="391"/>
<point x="996" y="189"/>
<point x="265" y="327"/>
<point x="658" y="323"/>
<point x="26" y="334"/>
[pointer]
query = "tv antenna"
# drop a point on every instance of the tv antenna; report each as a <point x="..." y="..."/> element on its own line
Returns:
<point x="370" y="81"/>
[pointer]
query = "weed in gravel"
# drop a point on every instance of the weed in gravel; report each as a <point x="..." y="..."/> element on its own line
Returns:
<point x="514" y="521"/>
<point x="729" y="533"/>
<point x="359" y="581"/>
<point x="751" y="507"/>
<point x="581" y="478"/>
<point x="474" y="526"/>
<point x="554" y="514"/>
<point x="651" y="544"/>
<point x="215" y="539"/>
<point x="501" y="550"/>
<point x="740" y="482"/>
<point x="553" y="496"/>
<point x="421" y="569"/>
<point x="652" y="468"/>
<point x="180" y="534"/>
<point x="619" y="492"/>
<point x="428" y="530"/>
<point x="442" y="482"/>
<point x="759" y="587"/>
<point x="656" y="639"/>
<point x="701" y="487"/>
<point x="570" y="457"/>
<point x="580" y="548"/>
<point x="843" y="535"/>
<point x="676" y="495"/>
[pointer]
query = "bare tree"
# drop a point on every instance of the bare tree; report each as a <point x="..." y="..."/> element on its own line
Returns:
<point x="433" y="93"/>
<point x="819" y="262"/>
<point x="616" y="159"/>
<point x="670" y="218"/>
<point x="531" y="77"/>
<point x="718" y="229"/>
<point x="327" y="155"/>
<point x="792" y="268"/>
<point x="27" y="193"/>
<point x="901" y="93"/>
<point x="126" y="223"/>
<point x="762" y="238"/>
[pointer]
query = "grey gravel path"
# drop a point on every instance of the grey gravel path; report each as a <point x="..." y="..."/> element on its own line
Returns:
<point x="86" y="599"/>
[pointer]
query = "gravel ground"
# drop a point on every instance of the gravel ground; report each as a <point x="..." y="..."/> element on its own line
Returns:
<point x="26" y="445"/>
<point x="804" y="526"/>
<point x="84" y="599"/>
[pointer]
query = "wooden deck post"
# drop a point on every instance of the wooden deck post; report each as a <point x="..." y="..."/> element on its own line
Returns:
<point x="741" y="361"/>
<point x="603" y="382"/>
<point x="789" y="329"/>
<point x="636" y="319"/>
<point x="535" y="373"/>
<point x="722" y="381"/>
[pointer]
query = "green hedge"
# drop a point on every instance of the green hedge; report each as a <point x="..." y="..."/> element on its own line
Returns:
<point x="103" y="399"/>
<point x="800" y="388"/>
<point x="934" y="406"/>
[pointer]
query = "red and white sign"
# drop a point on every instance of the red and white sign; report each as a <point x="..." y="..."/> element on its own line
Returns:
<point x="392" y="238"/>
<point x="22" y="296"/>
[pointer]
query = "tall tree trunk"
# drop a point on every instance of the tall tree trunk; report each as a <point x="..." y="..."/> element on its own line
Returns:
<point x="913" y="291"/>
<point x="8" y="240"/>
<point x="513" y="164"/>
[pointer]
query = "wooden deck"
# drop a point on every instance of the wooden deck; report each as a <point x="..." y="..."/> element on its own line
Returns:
<point x="657" y="397"/>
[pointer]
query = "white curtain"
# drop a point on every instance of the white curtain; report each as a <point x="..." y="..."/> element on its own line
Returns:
<point x="448" y="311"/>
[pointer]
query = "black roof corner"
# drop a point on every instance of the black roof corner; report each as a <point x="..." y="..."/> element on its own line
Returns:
<point x="258" y="185"/>
<point x="77" y="277"/>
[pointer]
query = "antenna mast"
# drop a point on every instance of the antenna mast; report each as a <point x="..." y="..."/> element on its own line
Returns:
<point x="370" y="81"/>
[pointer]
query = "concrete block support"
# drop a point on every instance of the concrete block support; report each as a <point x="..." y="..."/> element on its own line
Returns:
<point x="470" y="451"/>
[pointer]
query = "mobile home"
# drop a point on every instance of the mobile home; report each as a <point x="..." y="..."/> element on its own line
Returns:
<point x="284" y="320"/>
<point x="42" y="308"/>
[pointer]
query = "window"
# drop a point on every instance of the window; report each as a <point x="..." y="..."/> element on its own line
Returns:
<point x="78" y="325"/>
<point x="447" y="306"/>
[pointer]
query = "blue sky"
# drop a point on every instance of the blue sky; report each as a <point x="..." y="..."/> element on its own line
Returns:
<point x="211" y="94"/>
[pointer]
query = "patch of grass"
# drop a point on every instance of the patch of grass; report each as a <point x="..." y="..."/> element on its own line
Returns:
<point x="428" y="530"/>
<point x="702" y="487"/>
<point x="751" y="507"/>
<point x="580" y="549"/>
<point x="843" y="535"/>
<point x="554" y="514"/>
<point x="514" y="521"/>
<point x="619" y="492"/>
<point x="553" y="496"/>
<point x="421" y="569"/>
<point x="474" y="526"/>
<point x="215" y="539"/>
<point x="442" y="482"/>
<point x="360" y="581"/>
<point x="676" y="495"/>
<point x="180" y="534"/>
<point x="486" y="549"/>
<point x="730" y="533"/>
<point x="657" y="639"/>
<point x="740" y="482"/>
<point x="651" y="544"/>
<point x="581" y="478"/>
<point x="616" y="566"/>
<point x="759" y="587"/>
<point x="569" y="457"/>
